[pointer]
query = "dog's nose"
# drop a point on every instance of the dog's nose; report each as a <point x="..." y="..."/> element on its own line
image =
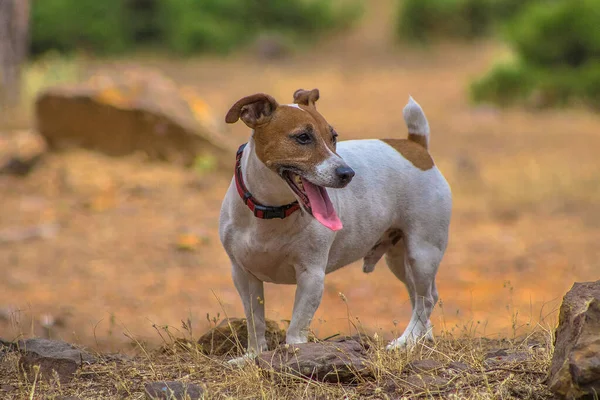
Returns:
<point x="345" y="174"/>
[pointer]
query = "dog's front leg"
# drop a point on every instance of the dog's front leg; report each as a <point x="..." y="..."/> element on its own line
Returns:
<point x="309" y="291"/>
<point x="251" y="291"/>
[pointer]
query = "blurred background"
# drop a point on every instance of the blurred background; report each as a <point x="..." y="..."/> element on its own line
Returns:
<point x="114" y="154"/>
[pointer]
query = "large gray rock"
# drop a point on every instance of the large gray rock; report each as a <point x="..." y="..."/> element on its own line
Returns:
<point x="51" y="356"/>
<point x="135" y="110"/>
<point x="230" y="337"/>
<point x="336" y="361"/>
<point x="575" y="368"/>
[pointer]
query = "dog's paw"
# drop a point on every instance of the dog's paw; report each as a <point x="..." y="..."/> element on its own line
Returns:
<point x="243" y="360"/>
<point x="399" y="344"/>
<point x="409" y="341"/>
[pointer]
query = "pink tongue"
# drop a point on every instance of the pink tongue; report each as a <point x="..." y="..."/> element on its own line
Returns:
<point x="322" y="208"/>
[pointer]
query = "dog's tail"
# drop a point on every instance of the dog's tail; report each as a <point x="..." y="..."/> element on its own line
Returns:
<point x="416" y="122"/>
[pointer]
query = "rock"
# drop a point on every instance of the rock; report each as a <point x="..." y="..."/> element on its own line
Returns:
<point x="458" y="366"/>
<point x="129" y="111"/>
<point x="500" y="357"/>
<point x="425" y="374"/>
<point x="575" y="368"/>
<point x="21" y="152"/>
<point x="424" y="366"/>
<point x="51" y="355"/>
<point x="227" y="337"/>
<point x="363" y="340"/>
<point x="7" y="388"/>
<point x="496" y="353"/>
<point x="172" y="391"/>
<point x="423" y="382"/>
<point x="340" y="361"/>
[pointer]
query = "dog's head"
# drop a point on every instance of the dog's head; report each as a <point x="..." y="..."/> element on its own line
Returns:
<point x="297" y="143"/>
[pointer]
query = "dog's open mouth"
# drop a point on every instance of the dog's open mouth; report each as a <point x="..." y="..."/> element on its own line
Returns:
<point x="314" y="200"/>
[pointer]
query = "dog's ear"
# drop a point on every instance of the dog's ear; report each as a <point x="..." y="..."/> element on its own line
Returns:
<point x="254" y="110"/>
<point x="306" y="97"/>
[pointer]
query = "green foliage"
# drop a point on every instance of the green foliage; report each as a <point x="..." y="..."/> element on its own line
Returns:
<point x="64" y="25"/>
<point x="557" y="33"/>
<point x="182" y="26"/>
<point x="190" y="25"/>
<point x="504" y="83"/>
<point x="558" y="57"/>
<point x="220" y="25"/>
<point x="421" y="20"/>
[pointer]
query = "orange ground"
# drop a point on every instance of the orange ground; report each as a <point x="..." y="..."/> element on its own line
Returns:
<point x="526" y="192"/>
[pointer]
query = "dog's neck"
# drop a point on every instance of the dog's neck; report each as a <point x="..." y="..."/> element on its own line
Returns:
<point x="265" y="185"/>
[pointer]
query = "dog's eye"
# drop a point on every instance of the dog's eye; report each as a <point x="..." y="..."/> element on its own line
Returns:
<point x="303" y="138"/>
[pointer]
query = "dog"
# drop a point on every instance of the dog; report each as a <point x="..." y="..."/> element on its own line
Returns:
<point x="302" y="205"/>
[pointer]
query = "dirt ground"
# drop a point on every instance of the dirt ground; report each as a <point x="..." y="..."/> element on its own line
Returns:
<point x="525" y="225"/>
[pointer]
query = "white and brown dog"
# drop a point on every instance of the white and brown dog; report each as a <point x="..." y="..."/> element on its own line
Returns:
<point x="302" y="205"/>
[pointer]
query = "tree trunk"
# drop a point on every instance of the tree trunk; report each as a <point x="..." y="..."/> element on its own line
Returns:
<point x="14" y="41"/>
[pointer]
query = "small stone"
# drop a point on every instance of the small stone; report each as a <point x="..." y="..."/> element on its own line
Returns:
<point x="496" y="353"/>
<point x="427" y="365"/>
<point x="458" y="366"/>
<point x="7" y="388"/>
<point x="340" y="362"/>
<point x="172" y="391"/>
<point x="64" y="367"/>
<point x="231" y="337"/>
<point x="51" y="356"/>
<point x="21" y="152"/>
<point x="423" y="382"/>
<point x="507" y="358"/>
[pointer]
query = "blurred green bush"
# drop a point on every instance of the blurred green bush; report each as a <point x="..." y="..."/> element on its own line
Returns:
<point x="64" y="25"/>
<point x="182" y="26"/>
<point x="557" y="48"/>
<point x="422" y="20"/>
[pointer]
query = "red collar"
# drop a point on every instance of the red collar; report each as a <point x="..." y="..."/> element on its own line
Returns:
<point x="260" y="211"/>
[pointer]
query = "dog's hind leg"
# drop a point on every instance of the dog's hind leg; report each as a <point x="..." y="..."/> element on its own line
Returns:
<point x="396" y="261"/>
<point x="421" y="262"/>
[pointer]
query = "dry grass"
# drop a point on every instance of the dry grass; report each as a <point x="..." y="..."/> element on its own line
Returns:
<point x="120" y="377"/>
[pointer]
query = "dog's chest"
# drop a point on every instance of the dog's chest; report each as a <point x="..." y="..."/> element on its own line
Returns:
<point x="268" y="259"/>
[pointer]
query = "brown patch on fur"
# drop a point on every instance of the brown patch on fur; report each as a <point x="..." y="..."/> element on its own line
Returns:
<point x="418" y="139"/>
<point x="413" y="152"/>
<point x="274" y="126"/>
